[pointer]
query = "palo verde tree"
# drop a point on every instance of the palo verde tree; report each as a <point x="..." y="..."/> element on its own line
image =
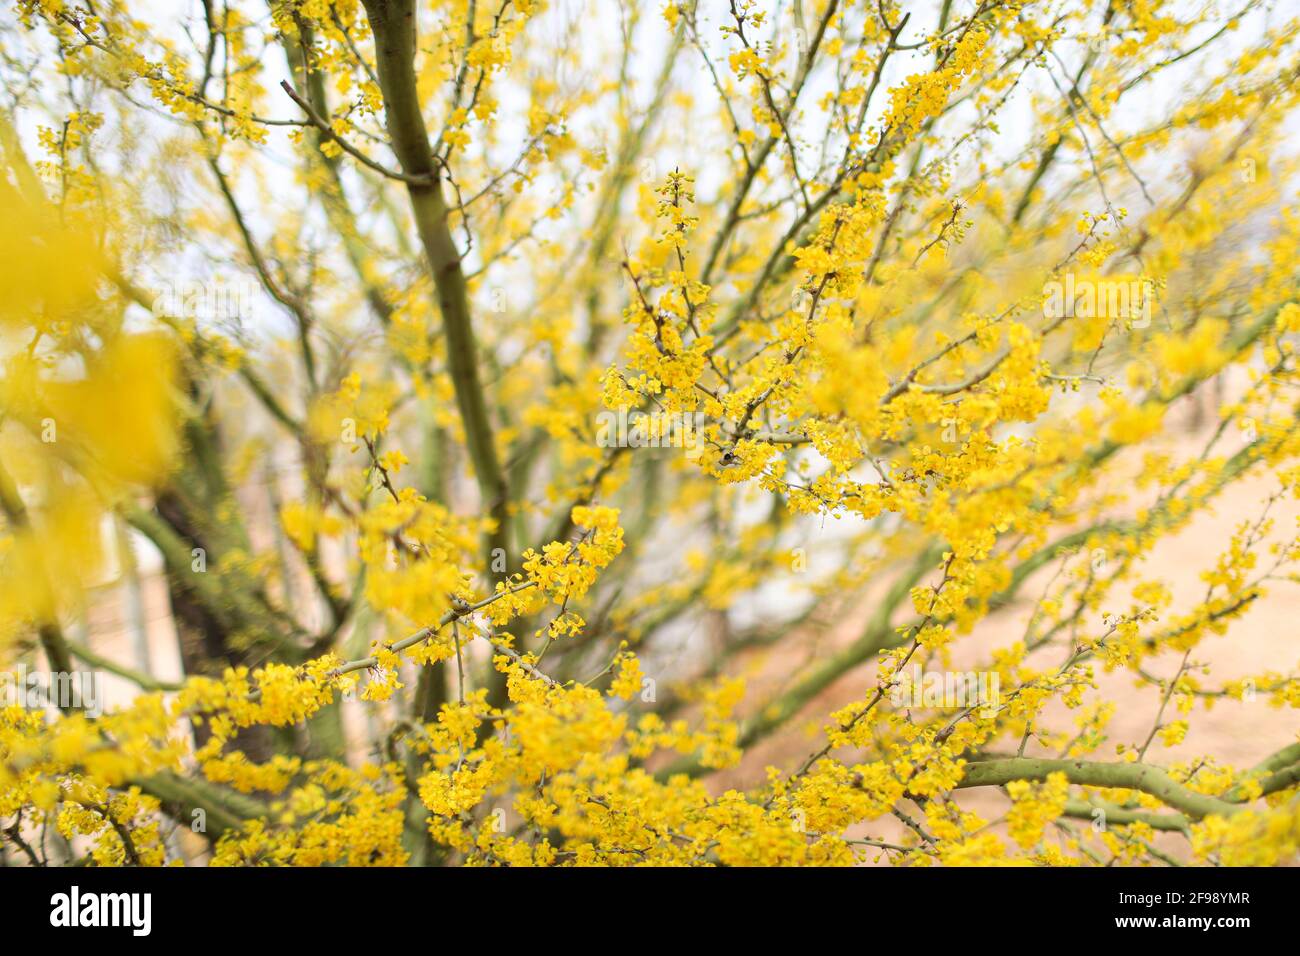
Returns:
<point x="500" y="382"/>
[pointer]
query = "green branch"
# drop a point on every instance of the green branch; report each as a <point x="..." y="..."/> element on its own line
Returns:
<point x="223" y="810"/>
<point x="139" y="678"/>
<point x="1113" y="814"/>
<point x="1125" y="776"/>
<point x="393" y="25"/>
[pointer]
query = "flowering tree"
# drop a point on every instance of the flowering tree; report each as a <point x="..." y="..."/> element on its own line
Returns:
<point x="525" y="349"/>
